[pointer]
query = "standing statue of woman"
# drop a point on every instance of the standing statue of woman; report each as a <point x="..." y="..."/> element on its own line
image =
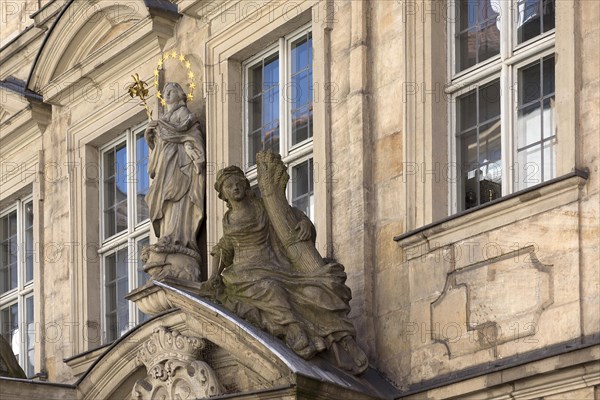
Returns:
<point x="177" y="166"/>
<point x="255" y="278"/>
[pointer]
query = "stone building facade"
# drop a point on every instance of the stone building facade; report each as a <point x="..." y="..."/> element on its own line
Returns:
<point x="447" y="152"/>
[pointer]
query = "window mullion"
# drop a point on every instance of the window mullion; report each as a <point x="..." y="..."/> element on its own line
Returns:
<point x="284" y="122"/>
<point x="21" y="320"/>
<point x="506" y="112"/>
<point x="132" y="279"/>
<point x="129" y="169"/>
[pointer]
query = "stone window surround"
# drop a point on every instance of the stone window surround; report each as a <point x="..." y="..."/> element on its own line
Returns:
<point x="225" y="53"/>
<point x="429" y="199"/>
<point x="504" y="66"/>
<point x="24" y="290"/>
<point x="518" y="205"/>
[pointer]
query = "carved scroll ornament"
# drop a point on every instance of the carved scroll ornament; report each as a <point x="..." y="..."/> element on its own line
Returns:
<point x="174" y="370"/>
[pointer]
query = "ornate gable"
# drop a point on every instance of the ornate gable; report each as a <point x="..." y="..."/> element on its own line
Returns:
<point x="88" y="37"/>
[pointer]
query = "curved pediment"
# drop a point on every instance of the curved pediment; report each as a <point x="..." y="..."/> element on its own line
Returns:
<point x="84" y="37"/>
<point x="198" y="338"/>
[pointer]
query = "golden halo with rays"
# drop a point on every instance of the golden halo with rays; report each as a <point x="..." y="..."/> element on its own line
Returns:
<point x="188" y="67"/>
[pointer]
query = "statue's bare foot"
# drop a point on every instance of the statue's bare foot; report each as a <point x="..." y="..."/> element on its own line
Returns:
<point x="348" y="356"/>
<point x="358" y="356"/>
<point x="297" y="339"/>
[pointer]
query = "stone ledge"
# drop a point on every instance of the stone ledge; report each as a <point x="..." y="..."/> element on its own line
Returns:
<point x="566" y="366"/>
<point x="503" y="211"/>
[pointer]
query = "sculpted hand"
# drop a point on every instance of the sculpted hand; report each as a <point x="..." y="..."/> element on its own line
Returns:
<point x="150" y="132"/>
<point x="303" y="229"/>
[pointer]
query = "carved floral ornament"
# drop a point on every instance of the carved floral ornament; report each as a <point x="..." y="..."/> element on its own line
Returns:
<point x="174" y="370"/>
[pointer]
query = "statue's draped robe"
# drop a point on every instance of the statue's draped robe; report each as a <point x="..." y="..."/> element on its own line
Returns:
<point x="176" y="196"/>
<point x="261" y="286"/>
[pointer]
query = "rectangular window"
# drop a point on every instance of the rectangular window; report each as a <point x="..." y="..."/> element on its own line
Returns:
<point x="502" y="91"/>
<point x="125" y="228"/>
<point x="278" y="112"/>
<point x="16" y="281"/>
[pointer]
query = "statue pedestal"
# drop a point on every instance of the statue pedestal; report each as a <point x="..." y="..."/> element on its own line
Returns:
<point x="159" y="264"/>
<point x="151" y="299"/>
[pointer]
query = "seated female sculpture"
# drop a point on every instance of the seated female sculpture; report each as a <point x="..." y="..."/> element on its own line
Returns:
<point x="255" y="278"/>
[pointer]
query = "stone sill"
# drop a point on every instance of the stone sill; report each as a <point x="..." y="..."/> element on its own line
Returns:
<point x="503" y="211"/>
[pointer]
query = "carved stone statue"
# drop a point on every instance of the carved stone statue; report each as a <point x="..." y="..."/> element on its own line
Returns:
<point x="268" y="271"/>
<point x="9" y="366"/>
<point x="176" y="195"/>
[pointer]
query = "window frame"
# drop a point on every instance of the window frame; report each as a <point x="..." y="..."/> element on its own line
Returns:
<point x="291" y="155"/>
<point x="503" y="66"/>
<point x="127" y="239"/>
<point x="24" y="289"/>
<point x="287" y="151"/>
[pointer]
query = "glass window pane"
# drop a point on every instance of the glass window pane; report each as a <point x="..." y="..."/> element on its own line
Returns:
<point x="254" y="146"/>
<point x="479" y="143"/>
<point x="255" y="81"/>
<point x="529" y="122"/>
<point x="30" y="337"/>
<point x="535" y="123"/>
<point x="270" y="106"/>
<point x="262" y="107"/>
<point x="548" y="77"/>
<point x="29" y="241"/>
<point x="142" y="179"/>
<point x="467" y="16"/>
<point x="122" y="263"/>
<point x="533" y="18"/>
<point x="549" y="165"/>
<point x="529" y="167"/>
<point x="255" y="113"/>
<point x="109" y="163"/>
<point x="122" y="306"/>
<point x="548" y="15"/>
<point x="300" y="125"/>
<point x="490" y="185"/>
<point x="528" y="19"/>
<point x="489" y="102"/>
<point x="121" y="216"/>
<point x="115" y="190"/>
<point x="469" y="169"/>
<point x="300" y="54"/>
<point x="529" y="83"/>
<point x="109" y="223"/>
<point x="477" y="32"/>
<point x="299" y="92"/>
<point x="489" y="40"/>
<point x="466" y="48"/>
<point x="548" y="127"/>
<point x="270" y="137"/>
<point x="8" y="252"/>
<point x="303" y="187"/>
<point x="467" y="111"/>
<point x="271" y="72"/>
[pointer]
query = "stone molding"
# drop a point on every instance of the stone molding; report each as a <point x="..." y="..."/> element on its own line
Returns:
<point x="506" y="211"/>
<point x="481" y="322"/>
<point x="59" y="66"/>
